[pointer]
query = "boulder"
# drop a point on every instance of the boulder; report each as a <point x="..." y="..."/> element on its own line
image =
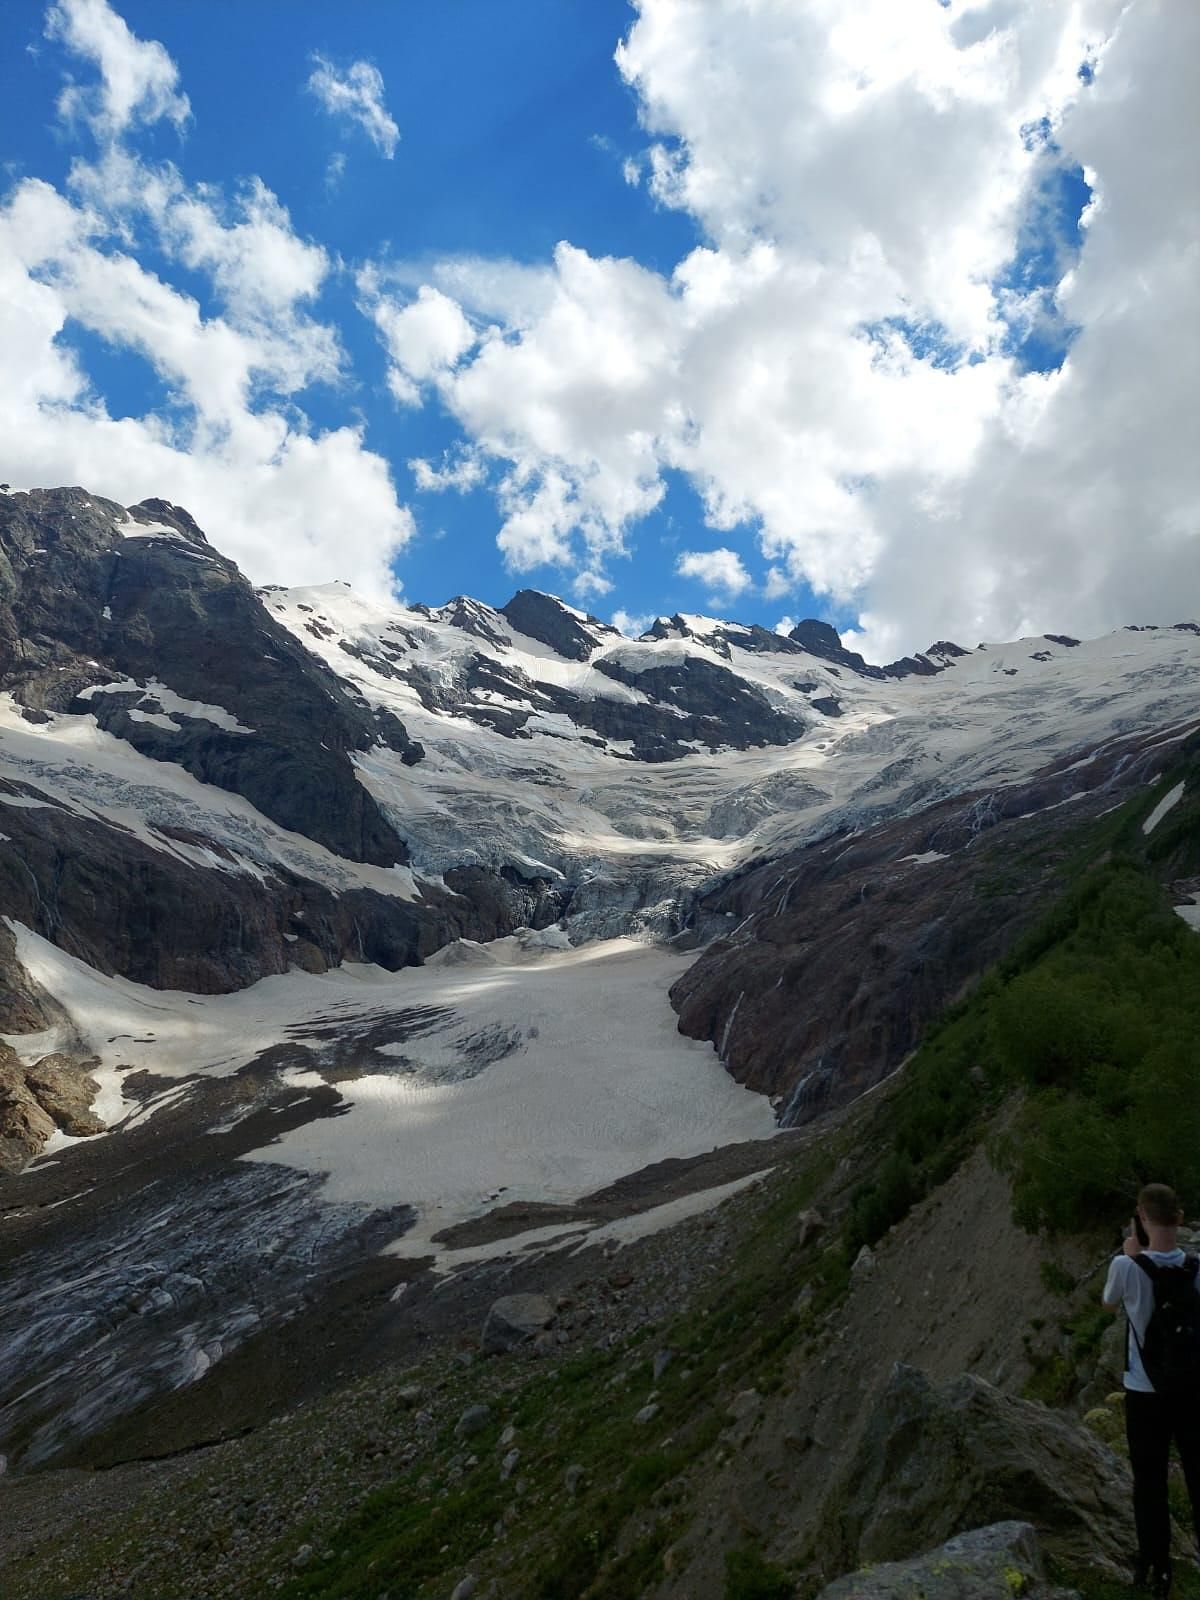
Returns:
<point x="514" y="1319"/>
<point x="63" y="1086"/>
<point x="24" y="1125"/>
<point x="935" y="1460"/>
<point x="810" y="1225"/>
<point x="34" y="1101"/>
<point x="995" y="1563"/>
<point x="473" y="1420"/>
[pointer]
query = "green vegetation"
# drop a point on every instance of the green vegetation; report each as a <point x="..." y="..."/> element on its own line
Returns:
<point x="1094" y="1019"/>
<point x="749" y="1577"/>
<point x="1103" y="1034"/>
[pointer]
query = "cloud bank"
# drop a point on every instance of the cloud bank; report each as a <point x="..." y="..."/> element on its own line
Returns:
<point x="934" y="353"/>
<point x="847" y="367"/>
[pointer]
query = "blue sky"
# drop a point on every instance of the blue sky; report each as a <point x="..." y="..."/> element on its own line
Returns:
<point x="513" y="128"/>
<point x="819" y="277"/>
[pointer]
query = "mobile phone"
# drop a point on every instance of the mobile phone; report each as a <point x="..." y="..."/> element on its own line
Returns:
<point x="1143" y="1237"/>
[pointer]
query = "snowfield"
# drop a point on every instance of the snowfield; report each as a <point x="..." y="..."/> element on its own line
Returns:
<point x="496" y="1073"/>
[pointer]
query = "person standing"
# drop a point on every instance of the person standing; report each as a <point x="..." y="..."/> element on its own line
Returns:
<point x="1155" y="1284"/>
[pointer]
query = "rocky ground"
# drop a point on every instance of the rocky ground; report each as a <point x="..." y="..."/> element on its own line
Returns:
<point x="646" y="1398"/>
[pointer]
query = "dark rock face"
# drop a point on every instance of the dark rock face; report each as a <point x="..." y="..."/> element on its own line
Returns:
<point x="935" y="1461"/>
<point x="474" y="618"/>
<point x="822" y="640"/>
<point x="134" y="619"/>
<point x="542" y="617"/>
<point x="715" y="706"/>
<point x="746" y="636"/>
<point x="124" y="907"/>
<point x="846" y="950"/>
<point x="89" y="595"/>
<point x="688" y="703"/>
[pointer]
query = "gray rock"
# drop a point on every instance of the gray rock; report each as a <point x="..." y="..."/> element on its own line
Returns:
<point x="994" y="1563"/>
<point x="647" y="1413"/>
<point x="514" y="1319"/>
<point x="303" y="1556"/>
<point x="745" y="1405"/>
<point x="465" y="1588"/>
<point x="936" y="1460"/>
<point x="661" y="1362"/>
<point x="509" y="1465"/>
<point x="809" y="1226"/>
<point x="473" y="1420"/>
<point x="864" y="1262"/>
<point x="573" y="1478"/>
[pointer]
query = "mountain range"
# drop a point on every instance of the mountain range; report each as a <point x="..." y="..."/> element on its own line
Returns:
<point x="333" y="926"/>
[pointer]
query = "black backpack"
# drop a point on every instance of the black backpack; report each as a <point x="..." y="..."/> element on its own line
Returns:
<point x="1170" y="1349"/>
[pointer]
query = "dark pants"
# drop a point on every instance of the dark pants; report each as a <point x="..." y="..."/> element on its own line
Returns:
<point x="1151" y="1421"/>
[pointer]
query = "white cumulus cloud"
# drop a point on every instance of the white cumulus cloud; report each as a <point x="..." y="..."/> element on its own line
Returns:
<point x="722" y="571"/>
<point x="357" y="95"/>
<point x="460" y="471"/>
<point x="424" y="337"/>
<point x="865" y="177"/>
<point x="139" y="82"/>
<point x="632" y="626"/>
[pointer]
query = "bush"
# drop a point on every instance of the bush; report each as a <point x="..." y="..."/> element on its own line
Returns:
<point x="1104" y="1033"/>
<point x="749" y="1577"/>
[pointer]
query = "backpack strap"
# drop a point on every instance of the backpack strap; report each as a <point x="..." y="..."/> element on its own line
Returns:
<point x="1150" y="1268"/>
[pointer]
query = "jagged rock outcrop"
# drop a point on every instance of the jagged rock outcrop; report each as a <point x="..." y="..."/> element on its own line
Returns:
<point x="823" y="640"/>
<point x="935" y="1460"/>
<point x="55" y="1092"/>
<point x="569" y="633"/>
<point x="1001" y="1562"/>
<point x="133" y="616"/>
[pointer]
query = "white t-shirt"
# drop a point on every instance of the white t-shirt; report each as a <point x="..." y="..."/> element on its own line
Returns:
<point x="1129" y="1284"/>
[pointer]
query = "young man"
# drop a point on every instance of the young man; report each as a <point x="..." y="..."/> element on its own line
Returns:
<point x="1153" y="1418"/>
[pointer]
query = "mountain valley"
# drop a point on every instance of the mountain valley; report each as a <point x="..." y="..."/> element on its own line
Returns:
<point x="363" y="961"/>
